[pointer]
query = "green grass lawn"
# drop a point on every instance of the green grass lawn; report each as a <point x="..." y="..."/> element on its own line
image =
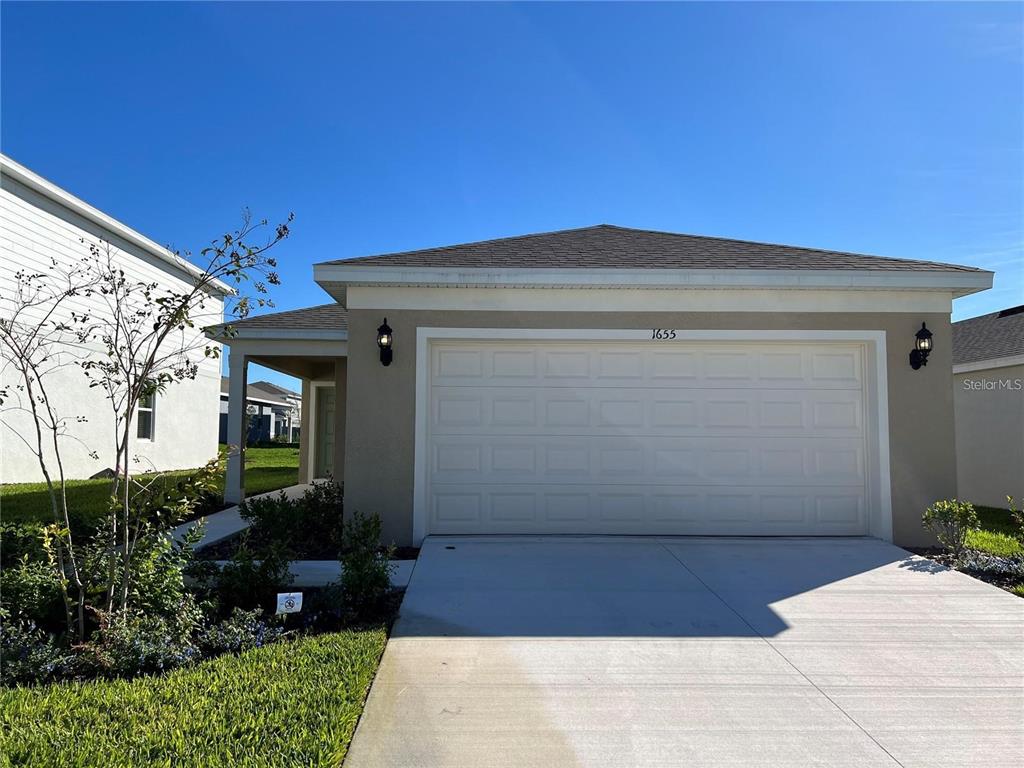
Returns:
<point x="266" y="469"/>
<point x="996" y="534"/>
<point x="289" y="704"/>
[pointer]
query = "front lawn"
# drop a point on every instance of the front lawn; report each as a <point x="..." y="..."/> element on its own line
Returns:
<point x="288" y="704"/>
<point x="266" y="469"/>
<point x="996" y="534"/>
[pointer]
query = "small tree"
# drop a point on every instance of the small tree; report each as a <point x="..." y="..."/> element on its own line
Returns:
<point x="143" y="340"/>
<point x="950" y="520"/>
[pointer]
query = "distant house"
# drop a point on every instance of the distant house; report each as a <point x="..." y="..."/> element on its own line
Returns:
<point x="988" y="401"/>
<point x="39" y="221"/>
<point x="273" y="412"/>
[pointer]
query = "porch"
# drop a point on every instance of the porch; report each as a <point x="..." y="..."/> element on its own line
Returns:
<point x="310" y="344"/>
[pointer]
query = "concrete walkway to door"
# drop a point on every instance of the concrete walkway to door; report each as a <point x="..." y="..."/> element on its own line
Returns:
<point x="560" y="651"/>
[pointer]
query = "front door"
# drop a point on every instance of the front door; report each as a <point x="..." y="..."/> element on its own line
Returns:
<point x="324" y="431"/>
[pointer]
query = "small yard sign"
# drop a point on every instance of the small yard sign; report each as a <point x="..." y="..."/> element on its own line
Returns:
<point x="289" y="602"/>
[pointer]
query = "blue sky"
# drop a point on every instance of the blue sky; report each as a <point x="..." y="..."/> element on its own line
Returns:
<point x="895" y="129"/>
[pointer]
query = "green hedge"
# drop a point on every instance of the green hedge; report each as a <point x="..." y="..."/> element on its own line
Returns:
<point x="288" y="704"/>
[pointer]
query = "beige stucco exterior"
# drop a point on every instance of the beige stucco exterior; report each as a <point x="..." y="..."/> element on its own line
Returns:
<point x="380" y="404"/>
<point x="989" y="407"/>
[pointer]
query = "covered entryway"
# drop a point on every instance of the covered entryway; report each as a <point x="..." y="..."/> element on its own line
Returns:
<point x="649" y="436"/>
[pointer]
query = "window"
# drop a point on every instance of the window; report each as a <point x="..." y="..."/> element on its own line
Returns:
<point x="147" y="417"/>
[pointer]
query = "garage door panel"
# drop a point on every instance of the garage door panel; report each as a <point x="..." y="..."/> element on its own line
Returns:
<point x="664" y="460"/>
<point x="545" y="410"/>
<point x="655" y="510"/>
<point x="614" y="437"/>
<point x="678" y="364"/>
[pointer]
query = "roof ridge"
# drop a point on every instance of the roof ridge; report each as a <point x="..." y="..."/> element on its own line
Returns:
<point x="685" y="236"/>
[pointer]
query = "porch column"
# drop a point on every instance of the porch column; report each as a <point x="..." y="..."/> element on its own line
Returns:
<point x="234" y="482"/>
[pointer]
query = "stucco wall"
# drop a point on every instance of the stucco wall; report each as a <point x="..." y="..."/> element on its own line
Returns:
<point x="34" y="229"/>
<point x="989" y="407"/>
<point x="381" y="400"/>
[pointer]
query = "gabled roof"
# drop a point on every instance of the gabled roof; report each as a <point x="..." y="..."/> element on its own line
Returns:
<point x="274" y="389"/>
<point x="989" y="337"/>
<point x="254" y="393"/>
<point x="606" y="246"/>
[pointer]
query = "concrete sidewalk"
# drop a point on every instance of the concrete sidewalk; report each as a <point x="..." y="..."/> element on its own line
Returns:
<point x="228" y="522"/>
<point x="551" y="651"/>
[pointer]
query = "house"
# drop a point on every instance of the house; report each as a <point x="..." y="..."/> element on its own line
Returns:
<point x="273" y="411"/>
<point x="988" y="401"/>
<point x="607" y="380"/>
<point x="176" y="430"/>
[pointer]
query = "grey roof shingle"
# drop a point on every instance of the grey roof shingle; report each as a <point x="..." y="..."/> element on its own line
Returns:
<point x="1000" y="334"/>
<point x="324" y="316"/>
<point x="611" y="247"/>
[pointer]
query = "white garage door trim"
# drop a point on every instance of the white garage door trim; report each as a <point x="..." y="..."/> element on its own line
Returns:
<point x="879" y="514"/>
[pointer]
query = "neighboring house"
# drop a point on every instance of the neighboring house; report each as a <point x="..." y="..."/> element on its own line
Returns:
<point x="38" y="222"/>
<point x="620" y="381"/>
<point x="988" y="378"/>
<point x="273" y="411"/>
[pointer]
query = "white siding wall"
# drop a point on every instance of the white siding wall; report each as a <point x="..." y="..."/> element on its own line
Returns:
<point x="33" y="229"/>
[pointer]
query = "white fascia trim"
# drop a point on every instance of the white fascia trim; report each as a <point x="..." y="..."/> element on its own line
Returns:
<point x="314" y="334"/>
<point x="646" y="300"/>
<point x="880" y="525"/>
<point x="960" y="282"/>
<point x="48" y="189"/>
<point x="995" y="362"/>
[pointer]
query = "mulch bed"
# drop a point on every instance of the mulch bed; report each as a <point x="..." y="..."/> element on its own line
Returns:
<point x="226" y="548"/>
<point x="941" y="556"/>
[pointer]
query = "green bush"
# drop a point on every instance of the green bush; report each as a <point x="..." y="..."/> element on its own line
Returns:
<point x="365" y="567"/>
<point x="950" y="520"/>
<point x="18" y="540"/>
<point x="307" y="526"/>
<point x="30" y="591"/>
<point x="242" y="631"/>
<point x="137" y="644"/>
<point x="250" y="580"/>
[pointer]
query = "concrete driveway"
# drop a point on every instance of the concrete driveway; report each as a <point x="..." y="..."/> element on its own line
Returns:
<point x="557" y="652"/>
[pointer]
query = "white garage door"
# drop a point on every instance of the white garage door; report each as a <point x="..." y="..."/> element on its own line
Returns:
<point x="646" y="438"/>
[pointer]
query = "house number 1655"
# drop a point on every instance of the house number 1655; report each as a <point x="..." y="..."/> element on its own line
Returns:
<point x="662" y="333"/>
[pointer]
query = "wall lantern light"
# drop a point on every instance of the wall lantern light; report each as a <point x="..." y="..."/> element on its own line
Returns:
<point x="922" y="347"/>
<point x="385" y="338"/>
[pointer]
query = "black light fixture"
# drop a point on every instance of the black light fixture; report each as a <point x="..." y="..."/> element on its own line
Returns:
<point x="922" y="347"/>
<point x="385" y="338"/>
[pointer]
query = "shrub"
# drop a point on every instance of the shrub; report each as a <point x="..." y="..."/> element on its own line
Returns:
<point x="242" y="631"/>
<point x="1018" y="517"/>
<point x="136" y="644"/>
<point x="305" y="526"/>
<point x="18" y="540"/>
<point x="365" y="567"/>
<point x="30" y="655"/>
<point x="950" y="520"/>
<point x="250" y="580"/>
<point x="30" y="591"/>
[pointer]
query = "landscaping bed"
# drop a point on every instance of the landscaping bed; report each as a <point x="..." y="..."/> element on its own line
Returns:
<point x="993" y="551"/>
<point x="291" y="703"/>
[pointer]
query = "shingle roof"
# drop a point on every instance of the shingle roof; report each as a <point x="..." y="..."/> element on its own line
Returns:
<point x="274" y="389"/>
<point x="1000" y="334"/>
<point x="253" y="393"/>
<point x="325" y="316"/>
<point x="610" y="247"/>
